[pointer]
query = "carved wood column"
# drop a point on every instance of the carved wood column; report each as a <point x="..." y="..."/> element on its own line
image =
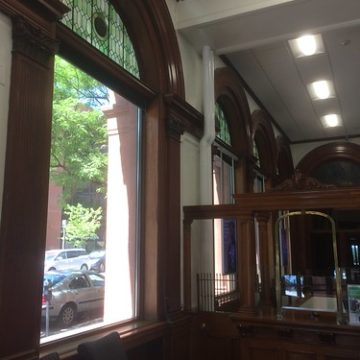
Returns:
<point x="180" y="116"/>
<point x="265" y="237"/>
<point x="24" y="212"/>
<point x="187" y="263"/>
<point x="246" y="262"/>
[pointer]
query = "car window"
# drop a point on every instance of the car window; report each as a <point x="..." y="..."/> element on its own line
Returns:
<point x="79" y="282"/>
<point x="74" y="253"/>
<point x="50" y="255"/>
<point x="61" y="255"/>
<point x="53" y="279"/>
<point x="97" y="280"/>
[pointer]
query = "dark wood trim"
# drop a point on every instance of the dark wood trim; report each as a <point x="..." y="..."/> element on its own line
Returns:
<point x="285" y="163"/>
<point x="23" y="223"/>
<point x="183" y="117"/>
<point x="230" y="94"/>
<point x="332" y="138"/>
<point x="24" y="205"/>
<point x="263" y="135"/>
<point x="247" y="207"/>
<point x="320" y="199"/>
<point x="328" y="152"/>
<point x="40" y="13"/>
<point x="33" y="42"/>
<point x="155" y="44"/>
<point x="102" y="68"/>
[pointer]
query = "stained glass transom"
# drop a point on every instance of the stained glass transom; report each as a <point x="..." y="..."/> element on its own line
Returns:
<point x="222" y="125"/>
<point x="97" y="22"/>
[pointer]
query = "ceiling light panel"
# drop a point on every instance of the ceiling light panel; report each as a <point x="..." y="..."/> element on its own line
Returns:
<point x="321" y="90"/>
<point x="307" y="45"/>
<point x="331" y="120"/>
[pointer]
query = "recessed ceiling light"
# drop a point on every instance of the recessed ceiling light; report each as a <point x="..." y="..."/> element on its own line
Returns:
<point x="320" y="90"/>
<point x="331" y="120"/>
<point x="307" y="45"/>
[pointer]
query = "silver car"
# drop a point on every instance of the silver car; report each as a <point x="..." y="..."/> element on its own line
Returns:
<point x="66" y="259"/>
<point x="68" y="293"/>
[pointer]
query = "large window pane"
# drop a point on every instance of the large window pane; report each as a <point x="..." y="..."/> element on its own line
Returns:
<point x="91" y="262"/>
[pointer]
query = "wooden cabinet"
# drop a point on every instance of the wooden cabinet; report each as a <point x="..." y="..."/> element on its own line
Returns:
<point x="232" y="337"/>
<point x="272" y="340"/>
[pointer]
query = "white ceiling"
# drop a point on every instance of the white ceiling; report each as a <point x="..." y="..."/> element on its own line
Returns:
<point x="253" y="35"/>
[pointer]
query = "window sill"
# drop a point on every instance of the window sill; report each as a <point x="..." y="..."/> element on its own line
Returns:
<point x="133" y="334"/>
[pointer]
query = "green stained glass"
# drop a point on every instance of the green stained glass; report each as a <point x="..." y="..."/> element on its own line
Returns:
<point x="222" y="124"/>
<point x="256" y="154"/>
<point x="97" y="22"/>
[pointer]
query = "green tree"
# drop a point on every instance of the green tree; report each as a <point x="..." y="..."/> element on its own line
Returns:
<point x="82" y="224"/>
<point x="79" y="134"/>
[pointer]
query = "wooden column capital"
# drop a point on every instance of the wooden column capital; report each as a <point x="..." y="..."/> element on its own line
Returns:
<point x="33" y="42"/>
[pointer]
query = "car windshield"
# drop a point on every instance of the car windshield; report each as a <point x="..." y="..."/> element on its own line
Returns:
<point x="50" y="255"/>
<point x="53" y="278"/>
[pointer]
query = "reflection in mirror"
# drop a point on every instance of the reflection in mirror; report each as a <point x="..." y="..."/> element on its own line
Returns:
<point x="300" y="283"/>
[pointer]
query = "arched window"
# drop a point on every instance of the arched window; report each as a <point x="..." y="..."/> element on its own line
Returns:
<point x="229" y="170"/>
<point x="98" y="23"/>
<point x="222" y="125"/>
<point x="28" y="153"/>
<point x="264" y="150"/>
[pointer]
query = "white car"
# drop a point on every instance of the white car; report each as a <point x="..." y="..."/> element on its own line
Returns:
<point x="68" y="293"/>
<point x="66" y="259"/>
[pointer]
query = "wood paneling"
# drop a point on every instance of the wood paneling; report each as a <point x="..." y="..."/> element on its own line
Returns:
<point x="23" y="223"/>
<point x="22" y="232"/>
<point x="260" y="338"/>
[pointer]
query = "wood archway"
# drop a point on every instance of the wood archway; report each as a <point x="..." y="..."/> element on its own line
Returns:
<point x="230" y="94"/>
<point x="24" y="208"/>
<point x="329" y="152"/>
<point x="263" y="135"/>
<point x="285" y="164"/>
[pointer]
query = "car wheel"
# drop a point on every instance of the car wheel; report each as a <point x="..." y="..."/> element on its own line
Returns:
<point x="52" y="269"/>
<point x="83" y="267"/>
<point x="102" y="267"/>
<point x="67" y="315"/>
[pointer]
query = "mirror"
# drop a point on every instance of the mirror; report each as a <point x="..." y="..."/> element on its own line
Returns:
<point x="306" y="290"/>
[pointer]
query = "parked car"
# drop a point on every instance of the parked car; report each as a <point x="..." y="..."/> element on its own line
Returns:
<point x="65" y="259"/>
<point x="70" y="293"/>
<point x="97" y="261"/>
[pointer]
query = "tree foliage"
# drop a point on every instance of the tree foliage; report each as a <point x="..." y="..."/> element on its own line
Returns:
<point x="82" y="224"/>
<point x="79" y="134"/>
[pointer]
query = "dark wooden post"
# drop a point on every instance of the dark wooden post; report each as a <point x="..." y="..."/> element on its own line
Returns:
<point x="246" y="262"/>
<point x="187" y="263"/>
<point x="24" y="207"/>
<point x="265" y="247"/>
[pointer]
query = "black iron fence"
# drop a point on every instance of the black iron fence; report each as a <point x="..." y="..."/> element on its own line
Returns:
<point x="216" y="292"/>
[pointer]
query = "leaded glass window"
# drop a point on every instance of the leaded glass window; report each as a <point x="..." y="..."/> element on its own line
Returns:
<point x="97" y="22"/>
<point x="256" y="154"/>
<point x="222" y="125"/>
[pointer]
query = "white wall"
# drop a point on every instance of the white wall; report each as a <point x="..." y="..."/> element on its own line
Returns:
<point x="300" y="150"/>
<point x="5" y="70"/>
<point x="190" y="193"/>
<point x="253" y="106"/>
<point x="192" y="70"/>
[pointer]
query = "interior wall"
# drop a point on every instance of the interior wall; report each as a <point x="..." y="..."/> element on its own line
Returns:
<point x="192" y="70"/>
<point x="300" y="150"/>
<point x="5" y="70"/>
<point x="190" y="191"/>
<point x="253" y="106"/>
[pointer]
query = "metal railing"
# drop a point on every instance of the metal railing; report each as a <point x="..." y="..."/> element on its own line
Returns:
<point x="216" y="292"/>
